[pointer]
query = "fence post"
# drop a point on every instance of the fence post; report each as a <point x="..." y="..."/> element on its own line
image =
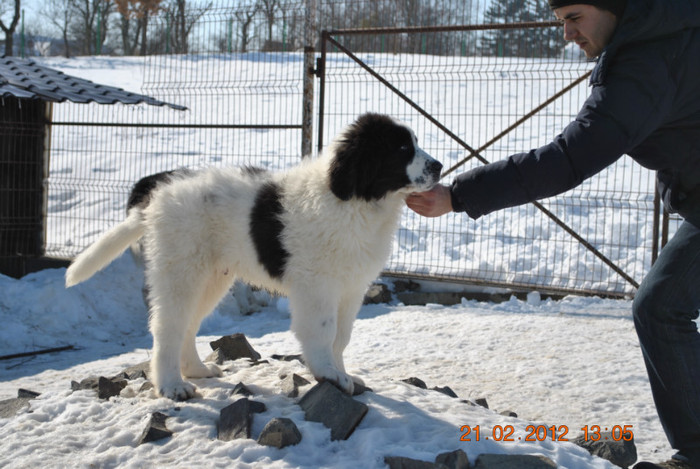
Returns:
<point x="309" y="55"/>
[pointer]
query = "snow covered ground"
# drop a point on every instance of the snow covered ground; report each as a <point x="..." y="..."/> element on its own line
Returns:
<point x="569" y="363"/>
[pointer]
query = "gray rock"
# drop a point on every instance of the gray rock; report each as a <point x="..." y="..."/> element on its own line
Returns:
<point x="120" y="377"/>
<point x="328" y="405"/>
<point x="87" y="383"/>
<point x="513" y="461"/>
<point x="147" y="386"/>
<point x="11" y="407"/>
<point x="156" y="429"/>
<point x="107" y="388"/>
<point x="417" y="382"/>
<point x="234" y="347"/>
<point x="235" y="420"/>
<point x="142" y="370"/>
<point x="217" y="356"/>
<point x="509" y="413"/>
<point x="257" y="407"/>
<point x="377" y="293"/>
<point x="292" y="383"/>
<point x="482" y="402"/>
<point x="280" y="432"/>
<point x="621" y="453"/>
<point x="241" y="389"/>
<point x="398" y="462"/>
<point x="445" y="390"/>
<point x="27" y="394"/>
<point x="288" y="358"/>
<point x="453" y="460"/>
<point x="401" y="286"/>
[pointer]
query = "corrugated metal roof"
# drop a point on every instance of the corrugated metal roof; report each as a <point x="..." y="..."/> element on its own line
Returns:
<point x="25" y="79"/>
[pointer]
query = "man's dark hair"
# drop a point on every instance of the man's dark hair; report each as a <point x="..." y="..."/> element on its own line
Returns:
<point x="617" y="7"/>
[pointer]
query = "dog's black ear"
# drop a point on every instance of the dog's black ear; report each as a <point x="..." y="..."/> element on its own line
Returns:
<point x="343" y="170"/>
<point x="356" y="162"/>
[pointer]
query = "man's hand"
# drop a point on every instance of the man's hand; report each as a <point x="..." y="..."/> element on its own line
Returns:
<point x="433" y="203"/>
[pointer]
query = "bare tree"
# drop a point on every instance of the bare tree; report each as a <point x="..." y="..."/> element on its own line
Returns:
<point x="181" y="18"/>
<point x="90" y="25"/>
<point x="245" y="20"/>
<point x="60" y="14"/>
<point x="269" y="9"/>
<point x="9" y="29"/>
<point x="138" y="11"/>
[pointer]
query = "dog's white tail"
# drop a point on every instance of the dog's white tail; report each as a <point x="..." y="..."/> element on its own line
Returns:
<point x="106" y="249"/>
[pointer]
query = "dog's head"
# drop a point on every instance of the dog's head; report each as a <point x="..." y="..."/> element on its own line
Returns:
<point x="377" y="155"/>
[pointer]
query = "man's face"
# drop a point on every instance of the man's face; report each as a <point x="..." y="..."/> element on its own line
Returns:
<point x="589" y="27"/>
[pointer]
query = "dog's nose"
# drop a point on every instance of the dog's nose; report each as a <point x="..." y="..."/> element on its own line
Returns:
<point x="435" y="167"/>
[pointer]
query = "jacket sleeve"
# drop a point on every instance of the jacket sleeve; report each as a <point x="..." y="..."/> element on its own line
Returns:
<point x="619" y="114"/>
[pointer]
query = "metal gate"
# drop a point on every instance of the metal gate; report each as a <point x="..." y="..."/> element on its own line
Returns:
<point x="468" y="109"/>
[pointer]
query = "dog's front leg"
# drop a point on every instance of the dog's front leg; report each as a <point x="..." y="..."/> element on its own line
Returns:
<point x="347" y="312"/>
<point x="315" y="322"/>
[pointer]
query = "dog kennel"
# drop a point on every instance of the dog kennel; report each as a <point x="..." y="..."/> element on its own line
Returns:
<point x="28" y="92"/>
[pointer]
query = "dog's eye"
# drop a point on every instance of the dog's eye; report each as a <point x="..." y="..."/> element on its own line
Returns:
<point x="404" y="148"/>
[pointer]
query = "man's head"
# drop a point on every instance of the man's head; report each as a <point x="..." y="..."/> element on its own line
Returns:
<point x="588" y="23"/>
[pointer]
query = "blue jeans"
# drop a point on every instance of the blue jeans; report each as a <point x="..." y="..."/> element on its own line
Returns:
<point x="664" y="308"/>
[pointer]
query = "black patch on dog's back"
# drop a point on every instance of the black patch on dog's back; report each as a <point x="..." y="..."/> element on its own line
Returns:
<point x="140" y="194"/>
<point x="266" y="228"/>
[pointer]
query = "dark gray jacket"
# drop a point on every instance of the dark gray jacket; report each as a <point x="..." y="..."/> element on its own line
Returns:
<point x="645" y="102"/>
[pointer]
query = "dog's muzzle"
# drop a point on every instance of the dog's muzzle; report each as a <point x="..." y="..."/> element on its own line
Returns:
<point x="434" y="168"/>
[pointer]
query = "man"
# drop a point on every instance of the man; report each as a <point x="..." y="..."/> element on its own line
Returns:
<point x="644" y="102"/>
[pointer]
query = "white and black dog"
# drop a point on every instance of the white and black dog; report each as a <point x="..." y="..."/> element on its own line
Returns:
<point x="319" y="233"/>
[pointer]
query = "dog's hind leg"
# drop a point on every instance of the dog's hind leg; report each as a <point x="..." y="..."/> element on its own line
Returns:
<point x="314" y="322"/>
<point x="169" y="328"/>
<point x="174" y="305"/>
<point x="192" y="366"/>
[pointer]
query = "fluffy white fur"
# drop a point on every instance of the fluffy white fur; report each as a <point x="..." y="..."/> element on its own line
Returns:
<point x="197" y="238"/>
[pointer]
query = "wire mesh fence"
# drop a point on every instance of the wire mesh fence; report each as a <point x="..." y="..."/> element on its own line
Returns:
<point x="471" y="109"/>
<point x="469" y="93"/>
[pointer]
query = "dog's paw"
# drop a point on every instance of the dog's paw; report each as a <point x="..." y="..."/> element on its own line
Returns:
<point x="341" y="380"/>
<point x="202" y="370"/>
<point x="178" y="391"/>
